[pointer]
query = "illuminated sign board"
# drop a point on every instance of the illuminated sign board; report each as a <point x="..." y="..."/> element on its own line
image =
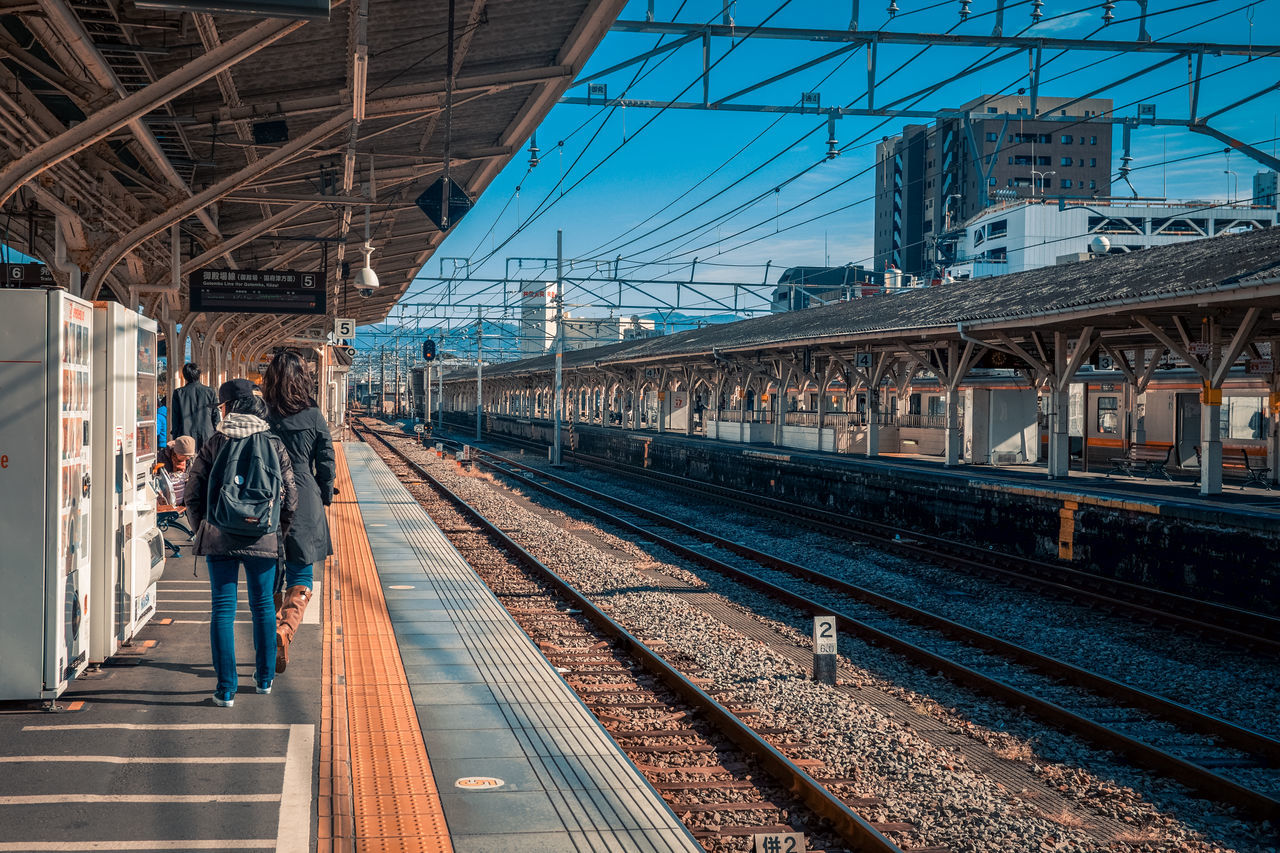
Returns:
<point x="258" y="292"/>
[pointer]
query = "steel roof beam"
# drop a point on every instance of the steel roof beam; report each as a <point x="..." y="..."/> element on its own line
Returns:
<point x="945" y="39"/>
<point x="392" y="100"/>
<point x="149" y="229"/>
<point x="103" y="123"/>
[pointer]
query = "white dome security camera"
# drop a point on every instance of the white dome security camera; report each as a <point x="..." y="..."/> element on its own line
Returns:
<point x="366" y="280"/>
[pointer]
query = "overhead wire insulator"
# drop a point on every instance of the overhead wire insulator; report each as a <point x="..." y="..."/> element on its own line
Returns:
<point x="833" y="144"/>
<point x="1107" y="12"/>
<point x="893" y="8"/>
<point x="964" y="9"/>
<point x="1036" y="13"/>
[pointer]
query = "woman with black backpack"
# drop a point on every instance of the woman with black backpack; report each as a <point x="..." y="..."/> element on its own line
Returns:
<point x="240" y="500"/>
<point x="295" y="418"/>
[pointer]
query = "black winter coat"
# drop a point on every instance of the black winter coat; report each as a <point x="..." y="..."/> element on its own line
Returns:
<point x="306" y="435"/>
<point x="209" y="541"/>
<point x="193" y="411"/>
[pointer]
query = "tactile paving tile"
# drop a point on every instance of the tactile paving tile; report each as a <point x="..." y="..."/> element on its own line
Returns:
<point x="371" y="723"/>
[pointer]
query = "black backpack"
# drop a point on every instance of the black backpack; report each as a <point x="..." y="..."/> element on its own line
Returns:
<point x="245" y="487"/>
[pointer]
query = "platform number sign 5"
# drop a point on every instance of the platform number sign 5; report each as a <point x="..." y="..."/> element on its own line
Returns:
<point x="780" y="842"/>
<point x="344" y="329"/>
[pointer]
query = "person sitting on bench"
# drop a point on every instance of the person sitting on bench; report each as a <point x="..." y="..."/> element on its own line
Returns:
<point x="172" y="462"/>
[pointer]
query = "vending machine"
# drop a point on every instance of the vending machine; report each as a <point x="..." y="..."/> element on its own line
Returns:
<point x="46" y="491"/>
<point x="128" y="548"/>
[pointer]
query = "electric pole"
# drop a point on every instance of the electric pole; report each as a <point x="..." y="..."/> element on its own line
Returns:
<point x="479" y="369"/>
<point x="382" y="380"/>
<point x="558" y="396"/>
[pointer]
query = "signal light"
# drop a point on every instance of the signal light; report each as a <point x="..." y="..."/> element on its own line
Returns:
<point x="428" y="350"/>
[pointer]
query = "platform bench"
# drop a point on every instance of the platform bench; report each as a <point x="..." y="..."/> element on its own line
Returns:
<point x="1145" y="460"/>
<point x="1254" y="472"/>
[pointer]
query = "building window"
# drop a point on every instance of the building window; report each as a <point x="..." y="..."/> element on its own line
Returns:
<point x="1044" y="161"/>
<point x="992" y="110"/>
<point x="1093" y="185"/>
<point x="1093" y="140"/>
<point x="1066" y="183"/>
<point x="1022" y="111"/>
<point x="991" y="182"/>
<point x="999" y="228"/>
<point x="1047" y="184"/>
<point x="1066" y="139"/>
<point x="1066" y="161"/>
<point x="1093" y="161"/>
<point x="993" y="137"/>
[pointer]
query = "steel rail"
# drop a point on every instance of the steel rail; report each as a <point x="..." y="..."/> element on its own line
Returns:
<point x="1234" y="624"/>
<point x="848" y="824"/>
<point x="1236" y="736"/>
<point x="1187" y="772"/>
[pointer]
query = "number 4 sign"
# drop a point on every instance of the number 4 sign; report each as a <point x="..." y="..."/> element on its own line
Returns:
<point x="780" y="842"/>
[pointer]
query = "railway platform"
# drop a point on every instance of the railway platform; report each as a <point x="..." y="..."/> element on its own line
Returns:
<point x="414" y="715"/>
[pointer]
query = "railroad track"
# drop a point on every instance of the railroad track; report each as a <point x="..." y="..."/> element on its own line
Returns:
<point x="697" y="752"/>
<point x="1222" y="760"/>
<point x="1230" y="624"/>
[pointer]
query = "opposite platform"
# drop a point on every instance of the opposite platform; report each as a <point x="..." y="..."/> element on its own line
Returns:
<point x="487" y="703"/>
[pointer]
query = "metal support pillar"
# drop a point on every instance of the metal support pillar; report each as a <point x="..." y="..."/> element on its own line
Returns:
<point x="873" y="423"/>
<point x="1211" y="421"/>
<point x="954" y="435"/>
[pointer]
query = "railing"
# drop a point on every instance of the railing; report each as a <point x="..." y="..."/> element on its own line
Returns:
<point x="928" y="421"/>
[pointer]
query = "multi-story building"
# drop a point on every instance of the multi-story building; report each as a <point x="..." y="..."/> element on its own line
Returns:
<point x="1264" y="189"/>
<point x="931" y="178"/>
<point x="800" y="287"/>
<point x="1033" y="233"/>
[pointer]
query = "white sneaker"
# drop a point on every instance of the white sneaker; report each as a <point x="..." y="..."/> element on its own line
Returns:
<point x="224" y="703"/>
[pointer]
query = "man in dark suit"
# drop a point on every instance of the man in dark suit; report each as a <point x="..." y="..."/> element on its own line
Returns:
<point x="193" y="410"/>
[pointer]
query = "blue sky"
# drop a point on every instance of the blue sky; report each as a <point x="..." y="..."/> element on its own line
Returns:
<point x="666" y="154"/>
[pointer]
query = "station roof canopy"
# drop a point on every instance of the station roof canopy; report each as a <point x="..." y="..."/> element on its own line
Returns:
<point x="1156" y="298"/>
<point x="259" y="138"/>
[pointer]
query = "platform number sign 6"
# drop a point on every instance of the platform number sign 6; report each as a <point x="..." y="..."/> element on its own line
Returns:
<point x="780" y="842"/>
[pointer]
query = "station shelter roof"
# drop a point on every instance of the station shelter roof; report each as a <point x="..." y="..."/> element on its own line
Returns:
<point x="259" y="138"/>
<point x="1121" y="298"/>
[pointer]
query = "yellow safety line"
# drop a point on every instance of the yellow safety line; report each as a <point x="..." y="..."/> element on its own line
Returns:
<point x="382" y="794"/>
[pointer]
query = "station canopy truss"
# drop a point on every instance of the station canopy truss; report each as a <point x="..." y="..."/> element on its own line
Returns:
<point x="144" y="144"/>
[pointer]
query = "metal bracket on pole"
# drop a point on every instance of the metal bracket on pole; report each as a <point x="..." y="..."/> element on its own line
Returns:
<point x="853" y="19"/>
<point x="872" y="49"/>
<point x="1193" y="88"/>
<point x="1034" y="61"/>
<point x="706" y="68"/>
<point x="998" y="29"/>
<point x="1143" y="35"/>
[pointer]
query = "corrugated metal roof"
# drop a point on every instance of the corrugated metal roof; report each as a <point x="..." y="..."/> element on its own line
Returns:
<point x="513" y="59"/>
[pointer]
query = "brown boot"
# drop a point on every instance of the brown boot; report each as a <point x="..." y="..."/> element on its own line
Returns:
<point x="288" y="620"/>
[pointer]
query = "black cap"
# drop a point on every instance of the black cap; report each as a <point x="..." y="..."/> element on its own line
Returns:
<point x="236" y="389"/>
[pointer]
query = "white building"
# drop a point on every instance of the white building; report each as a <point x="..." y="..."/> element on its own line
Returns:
<point x="1032" y="233"/>
<point x="538" y="325"/>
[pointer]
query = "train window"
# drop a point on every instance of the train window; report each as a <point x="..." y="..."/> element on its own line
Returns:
<point x="1108" y="415"/>
<point x="1244" y="417"/>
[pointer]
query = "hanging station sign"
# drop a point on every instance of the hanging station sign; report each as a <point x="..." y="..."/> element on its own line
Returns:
<point x="308" y="9"/>
<point x="26" y="275"/>
<point x="258" y="291"/>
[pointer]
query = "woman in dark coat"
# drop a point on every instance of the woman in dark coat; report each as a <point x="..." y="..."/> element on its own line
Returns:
<point x="297" y="421"/>
<point x="226" y="551"/>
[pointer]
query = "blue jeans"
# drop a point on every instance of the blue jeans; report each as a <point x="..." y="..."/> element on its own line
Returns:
<point x="297" y="574"/>
<point x="260" y="574"/>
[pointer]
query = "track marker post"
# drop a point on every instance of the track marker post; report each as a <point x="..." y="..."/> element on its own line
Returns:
<point x="824" y="649"/>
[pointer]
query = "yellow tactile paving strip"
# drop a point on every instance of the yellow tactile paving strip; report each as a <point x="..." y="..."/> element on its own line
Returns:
<point x="376" y="788"/>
